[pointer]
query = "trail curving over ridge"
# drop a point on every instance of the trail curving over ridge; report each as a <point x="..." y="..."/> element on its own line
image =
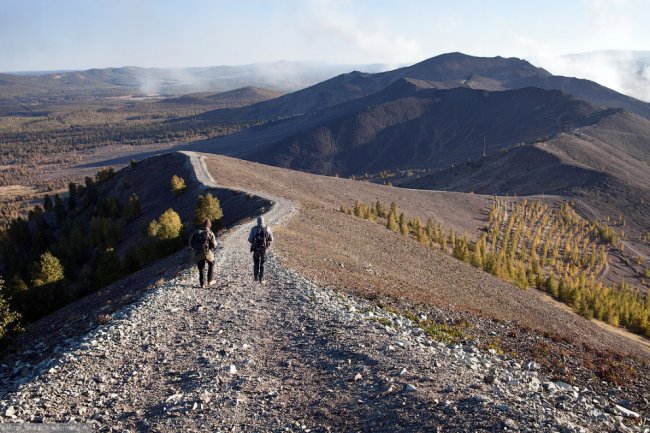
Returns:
<point x="286" y="356"/>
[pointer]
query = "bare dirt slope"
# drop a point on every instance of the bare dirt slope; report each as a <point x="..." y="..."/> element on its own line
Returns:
<point x="332" y="248"/>
<point x="287" y="356"/>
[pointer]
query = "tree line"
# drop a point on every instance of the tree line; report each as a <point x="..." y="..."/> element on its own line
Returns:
<point x="533" y="245"/>
<point x="69" y="247"/>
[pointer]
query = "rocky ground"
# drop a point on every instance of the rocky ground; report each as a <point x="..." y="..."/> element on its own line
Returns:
<point x="288" y="356"/>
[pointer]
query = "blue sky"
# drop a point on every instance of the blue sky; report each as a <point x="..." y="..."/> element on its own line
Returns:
<point x="80" y="34"/>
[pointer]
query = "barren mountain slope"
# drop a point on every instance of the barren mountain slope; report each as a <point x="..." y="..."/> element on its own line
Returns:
<point x="330" y="247"/>
<point x="606" y="165"/>
<point x="443" y="71"/>
<point x="407" y="125"/>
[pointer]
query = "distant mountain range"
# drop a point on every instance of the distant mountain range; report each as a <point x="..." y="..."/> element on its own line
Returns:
<point x="441" y="72"/>
<point x="94" y="83"/>
<point x="543" y="133"/>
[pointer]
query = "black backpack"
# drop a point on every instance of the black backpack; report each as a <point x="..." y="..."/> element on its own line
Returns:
<point x="201" y="242"/>
<point x="260" y="240"/>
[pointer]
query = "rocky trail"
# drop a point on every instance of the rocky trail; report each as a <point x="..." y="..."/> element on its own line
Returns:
<point x="286" y="356"/>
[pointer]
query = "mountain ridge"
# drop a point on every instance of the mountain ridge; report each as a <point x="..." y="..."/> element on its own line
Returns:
<point x="506" y="117"/>
<point x="453" y="69"/>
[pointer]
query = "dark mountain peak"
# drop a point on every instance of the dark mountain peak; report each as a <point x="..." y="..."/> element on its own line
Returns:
<point x="404" y="87"/>
<point x="445" y="71"/>
<point x="459" y="66"/>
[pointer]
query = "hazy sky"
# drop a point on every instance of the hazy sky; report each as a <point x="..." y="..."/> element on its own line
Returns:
<point x="79" y="34"/>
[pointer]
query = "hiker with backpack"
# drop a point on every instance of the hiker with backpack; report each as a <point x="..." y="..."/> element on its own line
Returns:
<point x="260" y="238"/>
<point x="202" y="242"/>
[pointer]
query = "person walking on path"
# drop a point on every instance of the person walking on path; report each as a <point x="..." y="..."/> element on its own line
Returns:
<point x="260" y="239"/>
<point x="202" y="242"/>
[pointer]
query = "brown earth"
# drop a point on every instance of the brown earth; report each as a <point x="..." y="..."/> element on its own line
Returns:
<point x="332" y="248"/>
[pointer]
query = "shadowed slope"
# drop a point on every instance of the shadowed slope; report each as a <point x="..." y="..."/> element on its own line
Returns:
<point x="443" y="71"/>
<point x="406" y="125"/>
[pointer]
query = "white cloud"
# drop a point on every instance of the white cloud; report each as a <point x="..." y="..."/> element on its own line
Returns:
<point x="627" y="72"/>
<point x="369" y="39"/>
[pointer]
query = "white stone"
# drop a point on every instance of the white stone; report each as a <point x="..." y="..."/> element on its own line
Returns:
<point x="532" y="365"/>
<point x="410" y="388"/>
<point x="626" y="412"/>
<point x="563" y="386"/>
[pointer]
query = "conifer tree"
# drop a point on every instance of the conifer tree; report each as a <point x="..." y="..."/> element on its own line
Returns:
<point x="391" y="224"/>
<point x="207" y="206"/>
<point x="380" y="209"/>
<point x="167" y="227"/>
<point x="403" y="226"/>
<point x="431" y="229"/>
<point x="9" y="319"/>
<point x="47" y="270"/>
<point x="109" y="268"/>
<point x="177" y="184"/>
<point x="452" y="238"/>
<point x="132" y="209"/>
<point x="47" y="202"/>
<point x="59" y="208"/>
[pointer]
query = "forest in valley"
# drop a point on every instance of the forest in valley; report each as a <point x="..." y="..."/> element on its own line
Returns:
<point x="41" y="148"/>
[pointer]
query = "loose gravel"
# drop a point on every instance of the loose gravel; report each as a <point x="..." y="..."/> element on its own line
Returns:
<point x="287" y="356"/>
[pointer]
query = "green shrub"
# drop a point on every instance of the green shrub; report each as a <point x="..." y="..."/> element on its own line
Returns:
<point x="207" y="206"/>
<point x="47" y="270"/>
<point x="132" y="208"/>
<point x="105" y="232"/>
<point x="109" y="268"/>
<point x="167" y="227"/>
<point x="105" y="174"/>
<point x="9" y="319"/>
<point x="110" y="207"/>
<point x="391" y="223"/>
<point x="177" y="184"/>
<point x="47" y="202"/>
<point x="135" y="258"/>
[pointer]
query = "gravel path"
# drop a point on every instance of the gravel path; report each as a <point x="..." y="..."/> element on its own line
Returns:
<point x="286" y="356"/>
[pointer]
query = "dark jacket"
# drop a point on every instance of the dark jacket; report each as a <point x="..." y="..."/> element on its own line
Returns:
<point x="253" y="232"/>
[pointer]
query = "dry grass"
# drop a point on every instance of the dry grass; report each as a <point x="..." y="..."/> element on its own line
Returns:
<point x="103" y="319"/>
<point x="343" y="251"/>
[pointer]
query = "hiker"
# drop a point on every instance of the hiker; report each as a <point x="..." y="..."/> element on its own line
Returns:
<point x="260" y="239"/>
<point x="202" y="242"/>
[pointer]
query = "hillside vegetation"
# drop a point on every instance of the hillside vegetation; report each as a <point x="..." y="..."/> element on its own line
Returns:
<point x="533" y="245"/>
<point x="45" y="146"/>
<point x="111" y="226"/>
<point x="332" y="248"/>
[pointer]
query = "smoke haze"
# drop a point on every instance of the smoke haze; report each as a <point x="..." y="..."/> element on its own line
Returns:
<point x="627" y="72"/>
